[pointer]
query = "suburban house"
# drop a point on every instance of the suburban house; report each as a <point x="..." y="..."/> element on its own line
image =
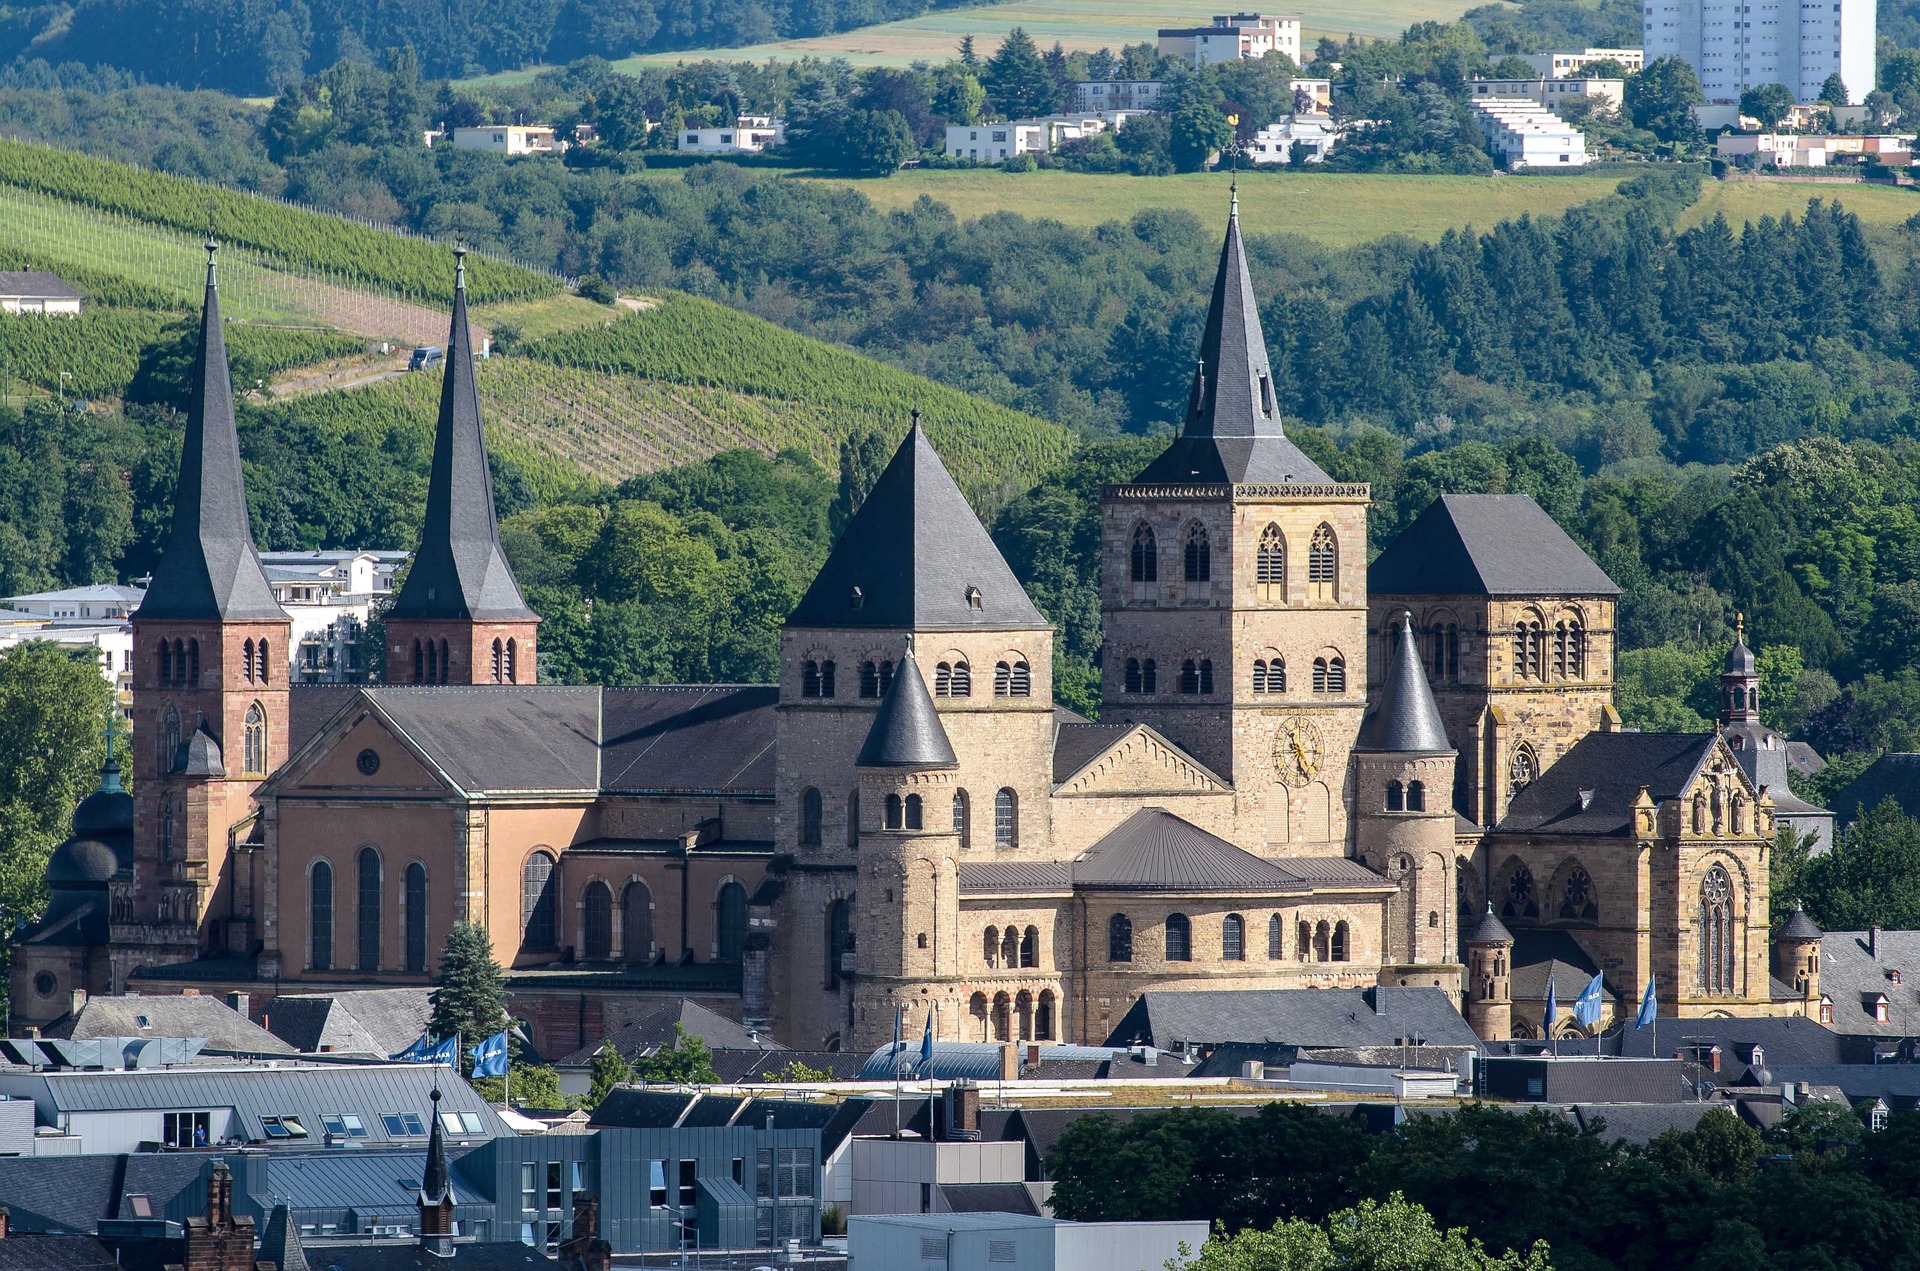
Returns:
<point x="1528" y="135"/>
<point x="1232" y="36"/>
<point x="748" y="134"/>
<point x="34" y="292"/>
<point x="509" y="139"/>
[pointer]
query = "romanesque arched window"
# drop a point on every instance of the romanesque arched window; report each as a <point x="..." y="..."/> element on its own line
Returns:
<point x="869" y="678"/>
<point x="1043" y="1017"/>
<point x="1199" y="555"/>
<point x="1446" y="651"/>
<point x="419" y="663"/>
<point x="1010" y="947"/>
<point x="1149" y="676"/>
<point x="809" y="678"/>
<point x="255" y="740"/>
<point x="1577" y="900"/>
<point x="962" y="680"/>
<point x="839" y="938"/>
<point x="1233" y="938"/>
<point x="1330" y="674"/>
<point x="962" y="819"/>
<point x="1130" y="676"/>
<point x="916" y="814"/>
<point x="416" y="917"/>
<point x="1030" y="948"/>
<point x="853" y="819"/>
<point x="1529" y="648"/>
<point x="193" y="663"/>
<point x="1396" y="797"/>
<point x="1119" y="938"/>
<point x="1416" y="796"/>
<point x="1189" y="676"/>
<point x="1322" y="941"/>
<point x="1276" y="939"/>
<point x="1716" y="953"/>
<point x="367" y="918"/>
<point x="730" y="922"/>
<point x="1323" y="564"/>
<point x="1270" y="565"/>
<point x="170" y="741"/>
<point x="433" y="663"/>
<point x="1259" y="675"/>
<point x="886" y="676"/>
<point x="1522" y="768"/>
<point x="896" y="812"/>
<point x="320" y="916"/>
<point x="1206" y="677"/>
<point x="1020" y="682"/>
<point x="1342" y="942"/>
<point x="596" y="922"/>
<point x="810" y="817"/>
<point x="1144" y="558"/>
<point x="1303" y="942"/>
<point x="1179" y="938"/>
<point x="165" y="652"/>
<point x="537" y="903"/>
<point x="1006" y="818"/>
<point x="990" y="947"/>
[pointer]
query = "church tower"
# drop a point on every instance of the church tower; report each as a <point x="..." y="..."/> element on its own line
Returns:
<point x="209" y="688"/>
<point x="1740" y="681"/>
<point x="460" y="618"/>
<point x="1233" y="590"/>
<point x="1490" y="979"/>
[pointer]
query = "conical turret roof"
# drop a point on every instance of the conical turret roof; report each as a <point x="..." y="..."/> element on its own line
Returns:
<point x="1405" y="719"/>
<point x="1740" y="659"/>
<point x="460" y="572"/>
<point x="210" y="570"/>
<point x="1489" y="930"/>
<point x="1232" y="431"/>
<point x="906" y="730"/>
<point x="1800" y="927"/>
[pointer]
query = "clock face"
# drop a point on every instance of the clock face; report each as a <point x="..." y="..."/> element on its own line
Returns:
<point x="1296" y="751"/>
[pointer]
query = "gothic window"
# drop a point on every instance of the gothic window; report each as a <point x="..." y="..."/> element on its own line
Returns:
<point x="1446" y="651"/>
<point x="896" y="812"/>
<point x="1119" y="938"/>
<point x="1270" y="565"/>
<point x="255" y="739"/>
<point x="1342" y="942"/>
<point x="499" y="661"/>
<point x="166" y="828"/>
<point x="1577" y="900"/>
<point x="1179" y="938"/>
<point x="1276" y="939"/>
<point x="810" y="817"/>
<point x="810" y="679"/>
<point x="915" y="814"/>
<point x="537" y="903"/>
<point x="596" y="922"/>
<point x="1416" y="796"/>
<point x="1303" y="943"/>
<point x="990" y="947"/>
<point x="839" y="938"/>
<point x="1716" y="933"/>
<point x="1206" y="677"/>
<point x="1233" y="938"/>
<point x="1145" y="556"/>
<point x="193" y="663"/>
<point x="1396" y="797"/>
<point x="416" y="917"/>
<point x="1522" y="768"/>
<point x="869" y="679"/>
<point x="1519" y="902"/>
<point x="320" y="916"/>
<point x="1199" y="555"/>
<point x="513" y="663"/>
<point x="1189" y="676"/>
<point x="1323" y="563"/>
<point x="1006" y="819"/>
<point x="170" y="742"/>
<point x="962" y="819"/>
<point x="246" y="661"/>
<point x="730" y="922"/>
<point x="367" y="918"/>
<point x="1030" y="947"/>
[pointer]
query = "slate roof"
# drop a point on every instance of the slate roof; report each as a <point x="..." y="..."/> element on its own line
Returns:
<point x="1799" y="927"/>
<point x="1540" y="954"/>
<point x="54" y="1253"/>
<point x="209" y="568"/>
<point x="171" y="1016"/>
<point x="1155" y="851"/>
<point x="1300" y="1017"/>
<point x="74" y="918"/>
<point x="988" y="1198"/>
<point x="499" y="736"/>
<point x="706" y="737"/>
<point x="1591" y="788"/>
<point x="1404" y="719"/>
<point x="1075" y="745"/>
<point x="73" y="1193"/>
<point x="1637" y="1122"/>
<point x="655" y="1028"/>
<point x="1893" y="775"/>
<point x="1857" y="1081"/>
<point x="913" y="551"/>
<point x="280" y="1242"/>
<point x="1232" y="432"/>
<point x="1584" y="1078"/>
<point x="379" y="1022"/>
<point x="1486" y="545"/>
<point x="906" y="730"/>
<point x="459" y="572"/>
<point x="1489" y="930"/>
<point x="36" y="284"/>
<point x="1851" y="976"/>
<point x="499" y="1255"/>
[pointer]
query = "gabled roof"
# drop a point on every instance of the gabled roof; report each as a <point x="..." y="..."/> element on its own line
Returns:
<point x="73" y="1193"/>
<point x="171" y="1016"/>
<point x="1486" y="545"/>
<point x="906" y="730"/>
<point x="912" y="556"/>
<point x="1154" y="850"/>
<point x="1543" y="956"/>
<point x="1405" y="719"/>
<point x="1075" y="745"/>
<point x="499" y="737"/>
<point x="1232" y="431"/>
<point x="378" y="1022"/>
<point x="35" y="284"/>
<point x="1855" y="966"/>
<point x="459" y="571"/>
<point x="209" y="568"/>
<point x="655" y="1028"/>
<point x="1591" y="788"/>
<point x="280" y="1243"/>
<point x="688" y="737"/>
<point x="1299" y="1017"/>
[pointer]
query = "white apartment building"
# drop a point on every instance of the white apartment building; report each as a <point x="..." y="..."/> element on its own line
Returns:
<point x="1315" y="134"/>
<point x="1812" y="150"/>
<point x="509" y="139"/>
<point x="1568" y="63"/>
<point x="104" y="600"/>
<point x="1733" y="45"/>
<point x="329" y="596"/>
<point x="1091" y="96"/>
<point x="750" y="134"/>
<point x="110" y="638"/>
<point x="1232" y="36"/>
<point x="990" y="143"/>
<point x="1551" y="92"/>
<point x="1528" y="135"/>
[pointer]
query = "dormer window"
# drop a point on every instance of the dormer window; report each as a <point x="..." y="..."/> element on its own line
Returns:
<point x="855" y="599"/>
<point x="1826" y="1009"/>
<point x="974" y="600"/>
<point x="1880" y="1008"/>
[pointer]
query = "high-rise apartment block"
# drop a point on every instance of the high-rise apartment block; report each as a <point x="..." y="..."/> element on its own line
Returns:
<point x="1734" y="46"/>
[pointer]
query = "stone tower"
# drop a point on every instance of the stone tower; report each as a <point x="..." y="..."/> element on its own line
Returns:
<point x="210" y="661"/>
<point x="1403" y="812"/>
<point x="460" y="618"/>
<point x="1740" y="680"/>
<point x="913" y="570"/>
<point x="908" y="906"/>
<point x="1489" y="979"/>
<point x="1796" y="956"/>
<point x="1233" y="590"/>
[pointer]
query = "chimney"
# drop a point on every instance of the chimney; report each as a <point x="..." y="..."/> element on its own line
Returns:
<point x="1009" y="1062"/>
<point x="584" y="1250"/>
<point x="5" y="1220"/>
<point x="1873" y="943"/>
<point x="1380" y="1000"/>
<point x="1033" y="1053"/>
<point x="239" y="1002"/>
<point x="76" y="1000"/>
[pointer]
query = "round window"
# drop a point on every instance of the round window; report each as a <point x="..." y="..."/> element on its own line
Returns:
<point x="368" y="761"/>
<point x="44" y="984"/>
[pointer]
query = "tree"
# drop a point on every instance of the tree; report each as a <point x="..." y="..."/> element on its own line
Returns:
<point x="1199" y="133"/>
<point x="469" y="993"/>
<point x="968" y="57"/>
<point x="796" y="1071"/>
<point x="1390" y="1235"/>
<point x="1661" y="99"/>
<point x="1833" y="90"/>
<point x="1871" y="877"/>
<point x="957" y="95"/>
<point x="688" y="1062"/>
<point x="54" y="707"/>
<point x="1900" y="73"/>
<point x="608" y="1070"/>
<point x="618" y="109"/>
<point x="1767" y="103"/>
<point x="533" y="1086"/>
<point x="875" y="142"/>
<point x="1016" y="79"/>
<point x="863" y="457"/>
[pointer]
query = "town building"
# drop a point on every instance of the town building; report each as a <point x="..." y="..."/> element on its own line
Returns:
<point x="102" y="601"/>
<point x="1524" y="134"/>
<point x="109" y="639"/>
<point x="508" y="139"/>
<point x="1813" y="150"/>
<point x="32" y="292"/>
<point x="1733" y="47"/>
<point x="982" y="1241"/>
<point x="1605" y="94"/>
<point x="1232" y="36"/>
<point x="1569" y="63"/>
<point x="1091" y="96"/>
<point x="748" y="134"/>
<point x="1312" y="137"/>
<point x="1015" y="137"/>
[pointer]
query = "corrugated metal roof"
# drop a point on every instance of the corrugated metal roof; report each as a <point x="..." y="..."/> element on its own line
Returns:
<point x="369" y="1181"/>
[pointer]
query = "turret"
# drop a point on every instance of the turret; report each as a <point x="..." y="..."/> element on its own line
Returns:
<point x="1740" y="680"/>
<point x="1489" y="948"/>
<point x="1796" y="959"/>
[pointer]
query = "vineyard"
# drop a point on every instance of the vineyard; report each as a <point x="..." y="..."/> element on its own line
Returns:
<point x="100" y="353"/>
<point x="312" y="242"/>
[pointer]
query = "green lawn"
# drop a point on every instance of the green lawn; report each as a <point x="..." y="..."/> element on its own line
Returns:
<point x="1336" y="209"/>
<point x="1743" y="201"/>
<point x="1077" y="24"/>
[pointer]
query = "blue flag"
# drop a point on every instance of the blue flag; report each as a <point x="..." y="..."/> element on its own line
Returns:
<point x="490" y="1056"/>
<point x="1552" y="1012"/>
<point x="926" y="1046"/>
<point x="1586" y="1007"/>
<point x="418" y="1053"/>
<point x="1649" y="1008"/>
<point x="447" y="1052"/>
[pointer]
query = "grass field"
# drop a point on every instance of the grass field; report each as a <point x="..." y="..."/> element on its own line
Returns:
<point x="1742" y="201"/>
<point x="1338" y="210"/>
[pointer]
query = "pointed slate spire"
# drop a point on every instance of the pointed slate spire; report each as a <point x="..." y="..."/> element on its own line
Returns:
<point x="1233" y="431"/>
<point x="210" y="570"/>
<point x="459" y="572"/>
<point x="1406" y="719"/>
<point x="1489" y="930"/>
<point x="906" y="730"/>
<point x="916" y="556"/>
<point x="281" y="1243"/>
<point x="433" y="1181"/>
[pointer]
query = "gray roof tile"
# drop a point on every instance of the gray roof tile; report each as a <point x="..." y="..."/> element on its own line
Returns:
<point x="1298" y="1017"/>
<point x="1077" y="744"/>
<point x="1591" y="788"/>
<point x="689" y="737"/>
<point x="1486" y="545"/>
<point x="906" y="730"/>
<point x="36" y="285"/>
<point x="1799" y="927"/>
<point x="501" y="737"/>
<point x="1405" y="719"/>
<point x="1489" y="930"/>
<point x="353" y="1021"/>
<point x="1855" y="966"/>
<point x="172" y="1016"/>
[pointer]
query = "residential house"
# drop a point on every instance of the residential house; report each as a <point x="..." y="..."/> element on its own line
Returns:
<point x="1092" y="96"/>
<point x="1232" y="36"/>
<point x="1527" y="135"/>
<point x="1569" y="63"/>
<point x="38" y="293"/>
<point x="509" y="139"/>
<point x="1609" y="94"/>
<point x="748" y="134"/>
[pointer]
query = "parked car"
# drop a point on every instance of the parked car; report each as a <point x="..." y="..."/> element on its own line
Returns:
<point x="426" y="357"/>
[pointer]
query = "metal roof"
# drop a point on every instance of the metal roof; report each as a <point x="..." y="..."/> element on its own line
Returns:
<point x="1154" y="850"/>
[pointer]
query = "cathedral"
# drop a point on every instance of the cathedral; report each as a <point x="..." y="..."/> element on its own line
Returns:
<point x="1308" y="769"/>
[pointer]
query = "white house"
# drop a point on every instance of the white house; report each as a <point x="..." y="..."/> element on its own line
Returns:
<point x="1315" y="134"/>
<point x="1550" y="92"/>
<point x="1568" y="63"/>
<point x="989" y="1241"/>
<point x="329" y="596"/>
<point x="509" y="139"/>
<point x="1812" y="150"/>
<point x="34" y="292"/>
<point x="1733" y="46"/>
<point x="1232" y="36"/>
<point x="994" y="142"/>
<point x="103" y="600"/>
<point x="1529" y="135"/>
<point x="749" y="134"/>
<point x="1092" y="96"/>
